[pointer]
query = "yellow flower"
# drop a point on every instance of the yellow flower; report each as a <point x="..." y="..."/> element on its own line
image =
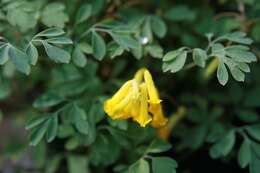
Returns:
<point x="137" y="99"/>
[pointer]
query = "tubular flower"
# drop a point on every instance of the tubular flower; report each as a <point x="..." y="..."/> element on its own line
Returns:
<point x="137" y="99"/>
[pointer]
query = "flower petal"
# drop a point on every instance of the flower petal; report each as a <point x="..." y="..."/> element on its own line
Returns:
<point x="152" y="91"/>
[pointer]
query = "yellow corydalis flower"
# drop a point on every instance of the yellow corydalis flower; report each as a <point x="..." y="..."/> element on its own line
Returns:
<point x="137" y="99"/>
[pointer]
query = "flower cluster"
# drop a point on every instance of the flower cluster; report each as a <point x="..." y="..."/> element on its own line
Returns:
<point x="137" y="99"/>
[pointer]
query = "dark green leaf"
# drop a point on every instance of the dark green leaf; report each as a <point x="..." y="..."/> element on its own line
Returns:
<point x="99" y="46"/>
<point x="164" y="165"/>
<point x="180" y="13"/>
<point x="158" y="146"/>
<point x="254" y="131"/>
<point x="35" y="122"/>
<point x="158" y="26"/>
<point x="84" y="13"/>
<point x="244" y="154"/>
<point x="52" y="127"/>
<point x="47" y="100"/>
<point x="223" y="146"/>
<point x="38" y="133"/>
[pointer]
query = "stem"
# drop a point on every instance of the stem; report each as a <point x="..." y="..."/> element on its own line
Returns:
<point x="212" y="67"/>
<point x="175" y="118"/>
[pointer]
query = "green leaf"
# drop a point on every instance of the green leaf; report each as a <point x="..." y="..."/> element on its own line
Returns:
<point x="56" y="54"/>
<point x="254" y="131"/>
<point x="4" y="54"/>
<point x="52" y="127"/>
<point x="222" y="73"/>
<point x="35" y="122"/>
<point x="65" y="130"/>
<point x="20" y="60"/>
<point x="247" y="115"/>
<point x="59" y="40"/>
<point x="32" y="52"/>
<point x="78" y="57"/>
<point x="240" y="55"/>
<point x="171" y="55"/>
<point x="158" y="26"/>
<point x="254" y="165"/>
<point x="114" y="50"/>
<point x="238" y="37"/>
<point x="98" y="45"/>
<point x="164" y="165"/>
<point x="180" y="13"/>
<point x="244" y="154"/>
<point x="53" y="15"/>
<point x="199" y="57"/>
<point x="37" y="134"/>
<point x="84" y="13"/>
<point x="72" y="143"/>
<point x="176" y="63"/>
<point x="252" y="98"/>
<point x="155" y="51"/>
<point x="51" y="32"/>
<point x="237" y="74"/>
<point x="79" y="119"/>
<point x="125" y="41"/>
<point x="77" y="164"/>
<point x="223" y="146"/>
<point x="141" y="166"/>
<point x="47" y="100"/>
<point x="158" y="146"/>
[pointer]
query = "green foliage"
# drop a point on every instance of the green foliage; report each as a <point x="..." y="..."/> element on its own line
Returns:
<point x="76" y="54"/>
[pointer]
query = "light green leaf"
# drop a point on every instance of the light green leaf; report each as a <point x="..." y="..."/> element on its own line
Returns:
<point x="176" y="64"/>
<point x="222" y="74"/>
<point x="32" y="52"/>
<point x="238" y="37"/>
<point x="199" y="57"/>
<point x="78" y="57"/>
<point x="4" y="54"/>
<point x="141" y="166"/>
<point x="20" y="60"/>
<point x="56" y="54"/>
<point x="51" y="32"/>
<point x="125" y="41"/>
<point x="53" y="15"/>
<point x="59" y="40"/>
